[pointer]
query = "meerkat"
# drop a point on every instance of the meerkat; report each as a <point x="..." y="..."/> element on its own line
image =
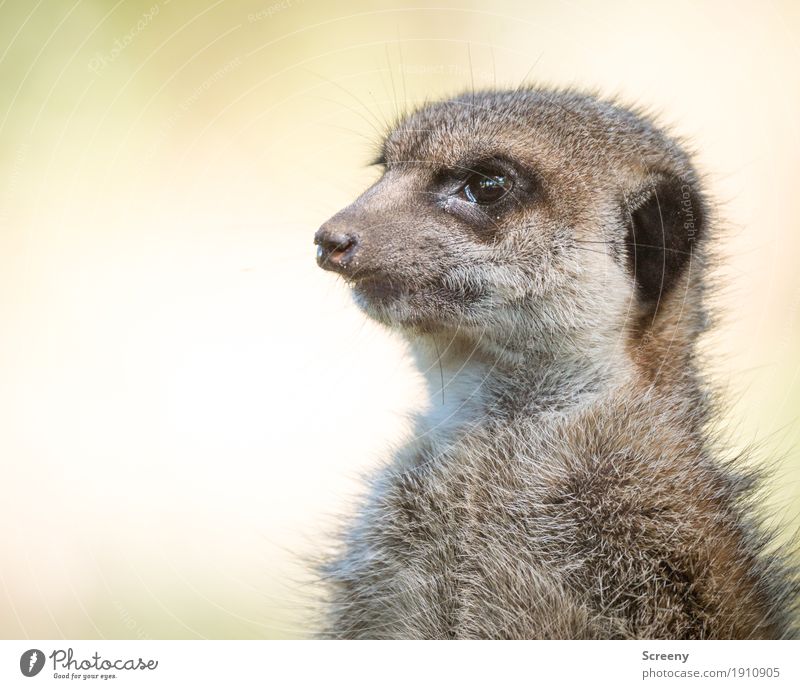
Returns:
<point x="544" y="254"/>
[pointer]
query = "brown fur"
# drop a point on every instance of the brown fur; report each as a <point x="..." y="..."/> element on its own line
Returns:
<point x="565" y="481"/>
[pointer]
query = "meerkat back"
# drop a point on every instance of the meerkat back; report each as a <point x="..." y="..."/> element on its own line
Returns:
<point x="544" y="255"/>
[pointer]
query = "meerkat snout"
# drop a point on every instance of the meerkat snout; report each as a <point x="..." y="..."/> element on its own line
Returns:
<point x="335" y="250"/>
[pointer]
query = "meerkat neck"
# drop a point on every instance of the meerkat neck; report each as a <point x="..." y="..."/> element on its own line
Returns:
<point x="467" y="384"/>
<point x="460" y="383"/>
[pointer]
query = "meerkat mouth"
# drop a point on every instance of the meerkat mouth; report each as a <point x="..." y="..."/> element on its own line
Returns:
<point x="378" y="287"/>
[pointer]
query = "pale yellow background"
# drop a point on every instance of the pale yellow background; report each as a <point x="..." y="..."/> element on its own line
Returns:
<point x="186" y="401"/>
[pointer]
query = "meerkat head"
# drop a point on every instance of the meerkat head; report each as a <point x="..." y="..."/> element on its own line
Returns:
<point x="526" y="220"/>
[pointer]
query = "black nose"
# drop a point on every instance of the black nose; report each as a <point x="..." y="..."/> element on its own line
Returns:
<point x="335" y="250"/>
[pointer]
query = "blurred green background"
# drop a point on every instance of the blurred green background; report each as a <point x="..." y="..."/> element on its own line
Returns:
<point x="171" y="437"/>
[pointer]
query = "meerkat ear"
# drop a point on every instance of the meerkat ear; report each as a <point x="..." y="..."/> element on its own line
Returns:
<point x="663" y="221"/>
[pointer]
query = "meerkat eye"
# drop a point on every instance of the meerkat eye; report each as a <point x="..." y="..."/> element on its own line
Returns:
<point x="485" y="186"/>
